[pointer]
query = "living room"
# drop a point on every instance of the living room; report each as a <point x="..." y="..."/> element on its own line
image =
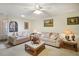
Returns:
<point x="51" y="22"/>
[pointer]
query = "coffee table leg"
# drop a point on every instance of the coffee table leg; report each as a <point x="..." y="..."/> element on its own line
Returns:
<point x="26" y="47"/>
<point x="35" y="53"/>
<point x="43" y="46"/>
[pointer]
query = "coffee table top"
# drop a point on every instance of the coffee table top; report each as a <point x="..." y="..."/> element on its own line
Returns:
<point x="30" y="43"/>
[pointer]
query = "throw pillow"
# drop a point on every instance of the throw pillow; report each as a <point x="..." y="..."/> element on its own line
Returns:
<point x="53" y="37"/>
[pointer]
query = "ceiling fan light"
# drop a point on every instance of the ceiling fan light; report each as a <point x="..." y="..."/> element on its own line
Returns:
<point x="38" y="12"/>
<point x="22" y="15"/>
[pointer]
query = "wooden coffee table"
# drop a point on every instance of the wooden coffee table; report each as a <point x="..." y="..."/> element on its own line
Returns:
<point x="34" y="49"/>
<point x="69" y="44"/>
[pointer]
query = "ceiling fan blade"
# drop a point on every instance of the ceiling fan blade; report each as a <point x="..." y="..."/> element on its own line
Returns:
<point x="42" y="9"/>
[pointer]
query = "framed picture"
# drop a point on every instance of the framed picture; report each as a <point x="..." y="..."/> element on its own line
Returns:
<point x="48" y="23"/>
<point x="73" y="21"/>
<point x="26" y="26"/>
<point x="13" y="26"/>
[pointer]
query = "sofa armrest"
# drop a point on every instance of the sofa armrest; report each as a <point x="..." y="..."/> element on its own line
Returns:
<point x="12" y="39"/>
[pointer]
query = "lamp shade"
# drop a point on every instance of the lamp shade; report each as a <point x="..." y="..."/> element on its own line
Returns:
<point x="68" y="32"/>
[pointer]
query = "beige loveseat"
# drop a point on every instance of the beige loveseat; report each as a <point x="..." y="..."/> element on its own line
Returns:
<point x="17" y="38"/>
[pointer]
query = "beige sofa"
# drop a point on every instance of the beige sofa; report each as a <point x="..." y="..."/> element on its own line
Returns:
<point x="15" y="39"/>
<point x="52" y="40"/>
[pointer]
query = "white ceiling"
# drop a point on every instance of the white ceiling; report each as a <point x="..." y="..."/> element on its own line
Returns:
<point x="51" y="9"/>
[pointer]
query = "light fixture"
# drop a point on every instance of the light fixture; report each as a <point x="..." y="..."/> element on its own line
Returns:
<point x="22" y="15"/>
<point x="38" y="9"/>
<point x="37" y="12"/>
<point x="68" y="32"/>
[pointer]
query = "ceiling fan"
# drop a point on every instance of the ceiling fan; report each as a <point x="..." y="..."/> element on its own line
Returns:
<point x="38" y="9"/>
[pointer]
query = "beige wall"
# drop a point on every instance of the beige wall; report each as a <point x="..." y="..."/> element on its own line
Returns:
<point x="4" y="25"/>
<point x="60" y="23"/>
<point x="20" y="22"/>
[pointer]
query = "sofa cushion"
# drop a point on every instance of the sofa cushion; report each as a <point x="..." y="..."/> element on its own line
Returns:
<point x="20" y="37"/>
<point x="62" y="36"/>
<point x="45" y="34"/>
<point x="53" y="37"/>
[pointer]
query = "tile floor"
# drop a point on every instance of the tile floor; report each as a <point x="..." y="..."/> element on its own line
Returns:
<point x="48" y="51"/>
